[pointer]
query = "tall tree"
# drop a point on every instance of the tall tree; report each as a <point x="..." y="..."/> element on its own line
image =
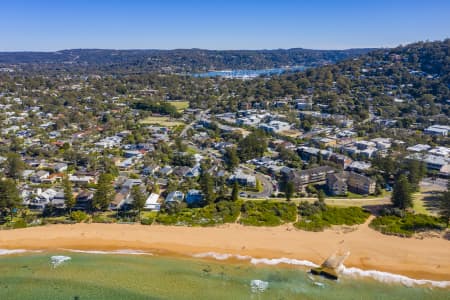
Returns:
<point x="9" y="196"/>
<point x="416" y="171"/>
<point x="401" y="195"/>
<point x="14" y="166"/>
<point x="207" y="187"/>
<point x="289" y="191"/>
<point x="444" y="206"/>
<point x="321" y="196"/>
<point x="231" y="158"/>
<point x="138" y="199"/>
<point x="68" y="194"/>
<point x="253" y="145"/>
<point x="155" y="188"/>
<point x="104" y="193"/>
<point x="235" y="191"/>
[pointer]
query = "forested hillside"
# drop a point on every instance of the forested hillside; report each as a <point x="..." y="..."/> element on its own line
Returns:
<point x="169" y="61"/>
<point x="409" y="82"/>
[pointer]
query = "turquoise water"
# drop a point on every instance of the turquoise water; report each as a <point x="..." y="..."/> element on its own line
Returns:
<point x="107" y="276"/>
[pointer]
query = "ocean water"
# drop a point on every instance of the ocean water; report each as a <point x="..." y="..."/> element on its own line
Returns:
<point x="137" y="275"/>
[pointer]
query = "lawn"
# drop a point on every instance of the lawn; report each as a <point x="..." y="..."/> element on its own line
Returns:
<point x="180" y="105"/>
<point x="426" y="203"/>
<point x="351" y="195"/>
<point x="162" y="121"/>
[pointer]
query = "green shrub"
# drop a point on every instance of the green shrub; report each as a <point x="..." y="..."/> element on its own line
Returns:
<point x="78" y="216"/>
<point x="317" y="217"/>
<point x="266" y="213"/>
<point x="212" y="214"/>
<point x="406" y="226"/>
<point x="147" y="221"/>
<point x="102" y="219"/>
<point x="20" y="223"/>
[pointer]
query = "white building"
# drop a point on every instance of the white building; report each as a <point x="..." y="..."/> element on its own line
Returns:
<point x="152" y="202"/>
<point x="441" y="130"/>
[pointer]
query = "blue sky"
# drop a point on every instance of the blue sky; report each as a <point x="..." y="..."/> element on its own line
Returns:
<point x="215" y="24"/>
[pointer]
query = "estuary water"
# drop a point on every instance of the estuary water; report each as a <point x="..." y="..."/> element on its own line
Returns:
<point x="130" y="274"/>
<point x="243" y="74"/>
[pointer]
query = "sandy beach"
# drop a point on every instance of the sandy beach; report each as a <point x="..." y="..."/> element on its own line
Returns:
<point x="427" y="258"/>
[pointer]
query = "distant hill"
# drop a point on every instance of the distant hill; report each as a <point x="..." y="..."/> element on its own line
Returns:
<point x="174" y="61"/>
<point x="409" y="83"/>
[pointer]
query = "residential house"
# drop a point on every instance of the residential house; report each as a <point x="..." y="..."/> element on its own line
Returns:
<point x="242" y="178"/>
<point x="60" y="167"/>
<point x="39" y="176"/>
<point x="440" y="130"/>
<point x="42" y="199"/>
<point x="175" y="196"/>
<point x="194" y="196"/>
<point x="81" y="180"/>
<point x="166" y="171"/>
<point x="152" y="202"/>
<point x="84" y="201"/>
<point x="120" y="199"/>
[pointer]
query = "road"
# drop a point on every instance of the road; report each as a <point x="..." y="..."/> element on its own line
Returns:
<point x="438" y="183"/>
<point x="196" y="119"/>
<point x="265" y="182"/>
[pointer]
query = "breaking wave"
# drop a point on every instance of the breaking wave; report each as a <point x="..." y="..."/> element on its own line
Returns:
<point x="57" y="260"/>
<point x="255" y="261"/>
<point x="16" y="251"/>
<point x="380" y="276"/>
<point x="221" y="256"/>
<point x="386" y="277"/>
<point x="258" y="286"/>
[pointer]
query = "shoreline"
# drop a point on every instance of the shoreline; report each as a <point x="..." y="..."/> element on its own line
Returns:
<point x="427" y="259"/>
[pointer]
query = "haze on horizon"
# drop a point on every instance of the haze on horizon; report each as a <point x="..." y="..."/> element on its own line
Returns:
<point x="51" y="25"/>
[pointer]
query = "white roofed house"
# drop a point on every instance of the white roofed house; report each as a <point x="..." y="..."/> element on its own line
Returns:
<point x="243" y="179"/>
<point x="440" y="151"/>
<point x="441" y="130"/>
<point x="126" y="163"/>
<point x="275" y="126"/>
<point x="42" y="198"/>
<point x="175" y="196"/>
<point x="39" y="176"/>
<point x="60" y="167"/>
<point x="433" y="162"/>
<point x="152" y="202"/>
<point x="81" y="180"/>
<point x="419" y="148"/>
<point x="129" y="183"/>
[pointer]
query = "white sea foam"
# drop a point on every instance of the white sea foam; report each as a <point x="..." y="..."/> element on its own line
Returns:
<point x="283" y="260"/>
<point x="318" y="283"/>
<point x="57" y="260"/>
<point x="255" y="261"/>
<point x="258" y="285"/>
<point x="16" y="251"/>
<point x="386" y="277"/>
<point x="221" y="256"/>
<point x="121" y="251"/>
